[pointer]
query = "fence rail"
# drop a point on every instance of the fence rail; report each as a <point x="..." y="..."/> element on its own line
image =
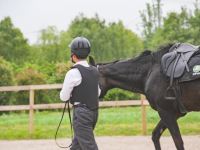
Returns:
<point x="31" y="107"/>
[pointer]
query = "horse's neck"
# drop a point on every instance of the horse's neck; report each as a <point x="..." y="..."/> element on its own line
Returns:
<point x="132" y="81"/>
<point x="130" y="87"/>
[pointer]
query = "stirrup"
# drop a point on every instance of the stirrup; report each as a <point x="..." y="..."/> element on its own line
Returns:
<point x="170" y="91"/>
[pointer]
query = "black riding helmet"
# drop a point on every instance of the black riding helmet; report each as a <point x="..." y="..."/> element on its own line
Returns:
<point x="80" y="46"/>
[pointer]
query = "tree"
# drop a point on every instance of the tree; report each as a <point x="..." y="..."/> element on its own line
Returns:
<point x="29" y="76"/>
<point x="112" y="41"/>
<point x="151" y="20"/>
<point x="195" y="22"/>
<point x="123" y="42"/>
<point x="48" y="47"/>
<point x="13" y="46"/>
<point x="176" y="28"/>
<point x="6" y="78"/>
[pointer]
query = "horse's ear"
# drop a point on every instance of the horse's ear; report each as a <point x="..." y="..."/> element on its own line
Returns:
<point x="91" y="61"/>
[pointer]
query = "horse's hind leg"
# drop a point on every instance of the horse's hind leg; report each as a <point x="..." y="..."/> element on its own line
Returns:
<point x="170" y="120"/>
<point x="157" y="132"/>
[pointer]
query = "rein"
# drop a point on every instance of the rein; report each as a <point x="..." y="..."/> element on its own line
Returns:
<point x="63" y="113"/>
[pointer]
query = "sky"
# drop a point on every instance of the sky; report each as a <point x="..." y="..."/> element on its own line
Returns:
<point x="33" y="15"/>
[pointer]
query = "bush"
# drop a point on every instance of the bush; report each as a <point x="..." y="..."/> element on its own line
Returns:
<point x="118" y="94"/>
<point x="6" y="79"/>
<point x="61" y="70"/>
<point x="30" y="76"/>
<point x="55" y="73"/>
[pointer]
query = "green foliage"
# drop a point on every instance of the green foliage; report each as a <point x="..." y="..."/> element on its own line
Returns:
<point x="29" y="76"/>
<point x="49" y="47"/>
<point x="61" y="70"/>
<point x="13" y="46"/>
<point x="118" y="94"/>
<point x="6" y="78"/>
<point x="194" y="25"/>
<point x="112" y="41"/>
<point x="151" y="20"/>
<point x="176" y="27"/>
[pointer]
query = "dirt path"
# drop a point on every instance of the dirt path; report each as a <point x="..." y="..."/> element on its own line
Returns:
<point x="105" y="143"/>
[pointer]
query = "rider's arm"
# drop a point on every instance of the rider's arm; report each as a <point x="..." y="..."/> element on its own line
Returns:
<point x="72" y="79"/>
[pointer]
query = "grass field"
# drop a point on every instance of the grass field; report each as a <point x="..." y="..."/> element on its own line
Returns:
<point x="112" y="121"/>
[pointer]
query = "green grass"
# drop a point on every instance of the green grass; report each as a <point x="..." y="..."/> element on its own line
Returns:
<point x="112" y="121"/>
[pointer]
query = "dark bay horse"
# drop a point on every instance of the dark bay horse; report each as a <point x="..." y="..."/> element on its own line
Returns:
<point x="143" y="75"/>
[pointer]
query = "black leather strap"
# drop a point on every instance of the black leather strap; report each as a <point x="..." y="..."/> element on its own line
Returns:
<point x="173" y="70"/>
<point x="67" y="102"/>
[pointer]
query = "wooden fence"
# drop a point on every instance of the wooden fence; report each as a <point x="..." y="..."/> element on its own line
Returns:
<point x="31" y="107"/>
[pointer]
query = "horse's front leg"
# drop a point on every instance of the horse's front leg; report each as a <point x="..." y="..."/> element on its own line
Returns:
<point x="156" y="134"/>
<point x="170" y="120"/>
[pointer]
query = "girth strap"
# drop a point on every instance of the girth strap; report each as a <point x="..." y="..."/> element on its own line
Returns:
<point x="173" y="70"/>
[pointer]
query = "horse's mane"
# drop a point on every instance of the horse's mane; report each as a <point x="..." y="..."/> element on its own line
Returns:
<point x="157" y="54"/>
<point x="111" y="62"/>
<point x="144" y="53"/>
<point x="163" y="49"/>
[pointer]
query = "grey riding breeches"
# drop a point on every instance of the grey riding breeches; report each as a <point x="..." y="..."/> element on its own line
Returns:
<point x="84" y="121"/>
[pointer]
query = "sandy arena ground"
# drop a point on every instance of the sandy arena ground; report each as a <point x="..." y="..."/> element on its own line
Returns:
<point x="105" y="143"/>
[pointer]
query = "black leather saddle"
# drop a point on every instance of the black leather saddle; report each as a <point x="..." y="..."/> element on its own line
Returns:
<point x="176" y="60"/>
<point x="174" y="64"/>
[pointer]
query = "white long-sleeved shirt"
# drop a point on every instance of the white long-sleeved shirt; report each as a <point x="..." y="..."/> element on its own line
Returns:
<point x="72" y="79"/>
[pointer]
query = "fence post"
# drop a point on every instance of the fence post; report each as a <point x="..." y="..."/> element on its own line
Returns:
<point x="31" y="111"/>
<point x="144" y="122"/>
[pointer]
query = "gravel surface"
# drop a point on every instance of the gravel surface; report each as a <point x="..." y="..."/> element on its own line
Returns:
<point x="105" y="143"/>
